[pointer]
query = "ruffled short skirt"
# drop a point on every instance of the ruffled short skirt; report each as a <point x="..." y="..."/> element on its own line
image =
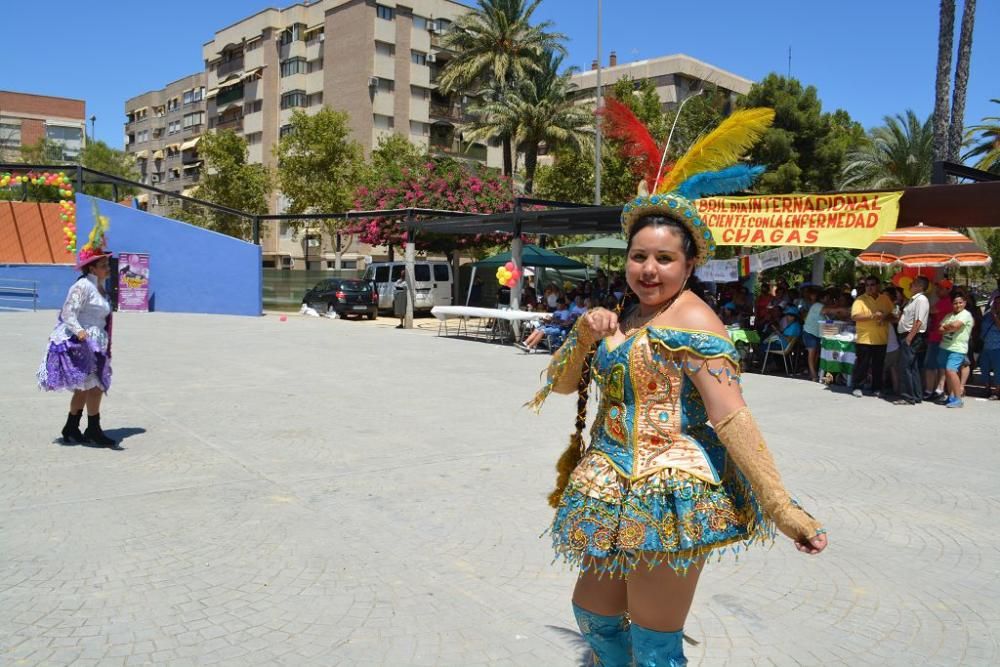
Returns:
<point x="74" y="365"/>
<point x="608" y="523"/>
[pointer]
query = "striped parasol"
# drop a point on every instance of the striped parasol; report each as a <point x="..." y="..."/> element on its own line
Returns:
<point x="923" y="246"/>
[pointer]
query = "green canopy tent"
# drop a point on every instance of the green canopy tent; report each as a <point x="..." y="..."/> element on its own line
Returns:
<point x="606" y="246"/>
<point x="531" y="255"/>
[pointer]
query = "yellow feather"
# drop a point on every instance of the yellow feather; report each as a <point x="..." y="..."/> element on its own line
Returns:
<point x="721" y="148"/>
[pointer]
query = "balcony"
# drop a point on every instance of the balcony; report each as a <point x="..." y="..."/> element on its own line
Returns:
<point x="234" y="65"/>
<point x="452" y="112"/>
<point x="461" y="150"/>
<point x="234" y="123"/>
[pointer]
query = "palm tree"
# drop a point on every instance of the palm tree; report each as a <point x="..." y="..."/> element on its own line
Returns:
<point x="988" y="147"/>
<point x="539" y="109"/>
<point x="896" y="155"/>
<point x="942" y="86"/>
<point x="961" y="80"/>
<point x="494" y="46"/>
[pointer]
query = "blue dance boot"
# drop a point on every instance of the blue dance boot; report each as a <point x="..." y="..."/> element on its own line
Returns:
<point x="608" y="637"/>
<point x="657" y="649"/>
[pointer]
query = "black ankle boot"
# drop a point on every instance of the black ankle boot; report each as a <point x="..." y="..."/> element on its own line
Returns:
<point x="71" y="433"/>
<point x="95" y="434"/>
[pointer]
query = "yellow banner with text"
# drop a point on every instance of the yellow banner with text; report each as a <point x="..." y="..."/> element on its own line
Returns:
<point x="847" y="220"/>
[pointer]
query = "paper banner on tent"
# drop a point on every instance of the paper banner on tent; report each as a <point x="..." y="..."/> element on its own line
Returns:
<point x="718" y="271"/>
<point x="770" y="258"/>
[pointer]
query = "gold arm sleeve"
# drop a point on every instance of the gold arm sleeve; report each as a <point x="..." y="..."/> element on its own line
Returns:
<point x="744" y="443"/>
<point x="566" y="367"/>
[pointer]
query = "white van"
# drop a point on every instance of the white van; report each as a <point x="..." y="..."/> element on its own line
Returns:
<point x="433" y="281"/>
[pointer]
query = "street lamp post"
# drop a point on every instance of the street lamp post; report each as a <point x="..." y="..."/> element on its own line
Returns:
<point x="600" y="104"/>
<point x="93" y="124"/>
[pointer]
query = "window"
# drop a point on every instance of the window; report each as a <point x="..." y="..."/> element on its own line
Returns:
<point x="292" y="33"/>
<point x="419" y="22"/>
<point x="173" y="104"/>
<point x="255" y="44"/>
<point x="418" y="57"/>
<point x="294" y="98"/>
<point x="284" y="131"/>
<point x="419" y="93"/>
<point x="140" y="114"/>
<point x="142" y="136"/>
<point x="315" y="33"/>
<point x="194" y="119"/>
<point x="383" y="12"/>
<point x="253" y="107"/>
<point x="229" y="94"/>
<point x="441" y="273"/>
<point x="293" y="66"/>
<point x="385" y="49"/>
<point x="194" y="95"/>
<point x="422" y="273"/>
<point x="10" y="134"/>
<point x="315" y="98"/>
<point x="419" y="129"/>
<point x="381" y="274"/>
<point x="383" y="122"/>
<point x="159" y="112"/>
<point x="253" y="138"/>
<point x="173" y="127"/>
<point x="315" y="66"/>
<point x="385" y="85"/>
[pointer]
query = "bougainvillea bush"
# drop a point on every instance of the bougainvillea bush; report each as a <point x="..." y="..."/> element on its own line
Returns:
<point x="442" y="184"/>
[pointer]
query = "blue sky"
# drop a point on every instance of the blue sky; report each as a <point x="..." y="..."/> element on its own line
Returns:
<point x="871" y="58"/>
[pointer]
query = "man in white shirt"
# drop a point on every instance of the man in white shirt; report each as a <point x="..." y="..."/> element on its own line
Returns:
<point x="912" y="332"/>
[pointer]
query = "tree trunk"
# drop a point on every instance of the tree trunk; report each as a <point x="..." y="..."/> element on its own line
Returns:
<point x="961" y="81"/>
<point x="508" y="166"/>
<point x="946" y="35"/>
<point x="530" y="165"/>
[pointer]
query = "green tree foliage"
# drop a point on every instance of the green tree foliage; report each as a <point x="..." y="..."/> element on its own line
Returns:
<point x="571" y="175"/>
<point x="535" y="110"/>
<point x="984" y="140"/>
<point x="394" y="156"/>
<point x="43" y="151"/>
<point x="98" y="156"/>
<point x="227" y="180"/>
<point x="805" y="148"/>
<point x="496" y="45"/>
<point x="896" y="155"/>
<point x="318" y="164"/>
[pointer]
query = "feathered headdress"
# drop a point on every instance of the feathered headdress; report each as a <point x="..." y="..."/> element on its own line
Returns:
<point x="707" y="168"/>
<point x="96" y="245"/>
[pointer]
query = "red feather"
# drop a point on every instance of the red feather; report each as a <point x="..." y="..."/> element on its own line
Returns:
<point x="638" y="145"/>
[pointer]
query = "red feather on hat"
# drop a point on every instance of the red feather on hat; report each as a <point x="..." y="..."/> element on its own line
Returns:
<point x="638" y="145"/>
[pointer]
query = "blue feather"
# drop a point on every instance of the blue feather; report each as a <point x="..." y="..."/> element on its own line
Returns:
<point x="731" y="179"/>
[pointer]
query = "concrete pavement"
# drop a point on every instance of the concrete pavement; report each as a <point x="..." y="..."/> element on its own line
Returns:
<point x="317" y="492"/>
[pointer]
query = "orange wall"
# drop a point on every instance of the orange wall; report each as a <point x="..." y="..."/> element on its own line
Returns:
<point x="31" y="233"/>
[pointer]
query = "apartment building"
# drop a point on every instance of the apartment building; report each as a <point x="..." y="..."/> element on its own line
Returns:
<point x="162" y="129"/>
<point x="26" y="118"/>
<point x="378" y="62"/>
<point x="676" y="78"/>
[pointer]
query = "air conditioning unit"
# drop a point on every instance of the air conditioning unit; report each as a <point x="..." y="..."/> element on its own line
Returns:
<point x="432" y="26"/>
<point x="373" y="82"/>
<point x="322" y="37"/>
<point x="432" y="57"/>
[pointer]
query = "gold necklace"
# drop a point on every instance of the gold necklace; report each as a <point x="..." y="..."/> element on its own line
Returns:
<point x="635" y="326"/>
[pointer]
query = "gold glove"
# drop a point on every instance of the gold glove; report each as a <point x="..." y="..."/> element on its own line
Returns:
<point x="745" y="445"/>
<point x="566" y="367"/>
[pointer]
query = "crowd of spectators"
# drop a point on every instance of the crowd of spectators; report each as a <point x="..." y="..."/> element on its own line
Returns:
<point x="917" y="348"/>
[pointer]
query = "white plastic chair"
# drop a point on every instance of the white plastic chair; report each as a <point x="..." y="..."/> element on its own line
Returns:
<point x="784" y="353"/>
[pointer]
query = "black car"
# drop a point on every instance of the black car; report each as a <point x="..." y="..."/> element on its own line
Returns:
<point x="346" y="297"/>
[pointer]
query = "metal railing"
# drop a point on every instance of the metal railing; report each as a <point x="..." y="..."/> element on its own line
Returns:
<point x="17" y="291"/>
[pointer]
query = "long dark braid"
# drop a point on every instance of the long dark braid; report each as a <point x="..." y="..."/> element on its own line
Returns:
<point x="574" y="452"/>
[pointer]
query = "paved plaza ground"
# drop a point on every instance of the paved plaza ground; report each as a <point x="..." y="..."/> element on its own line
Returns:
<point x="317" y="492"/>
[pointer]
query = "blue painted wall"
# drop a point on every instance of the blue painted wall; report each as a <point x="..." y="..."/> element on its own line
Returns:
<point x="53" y="282"/>
<point x="191" y="270"/>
